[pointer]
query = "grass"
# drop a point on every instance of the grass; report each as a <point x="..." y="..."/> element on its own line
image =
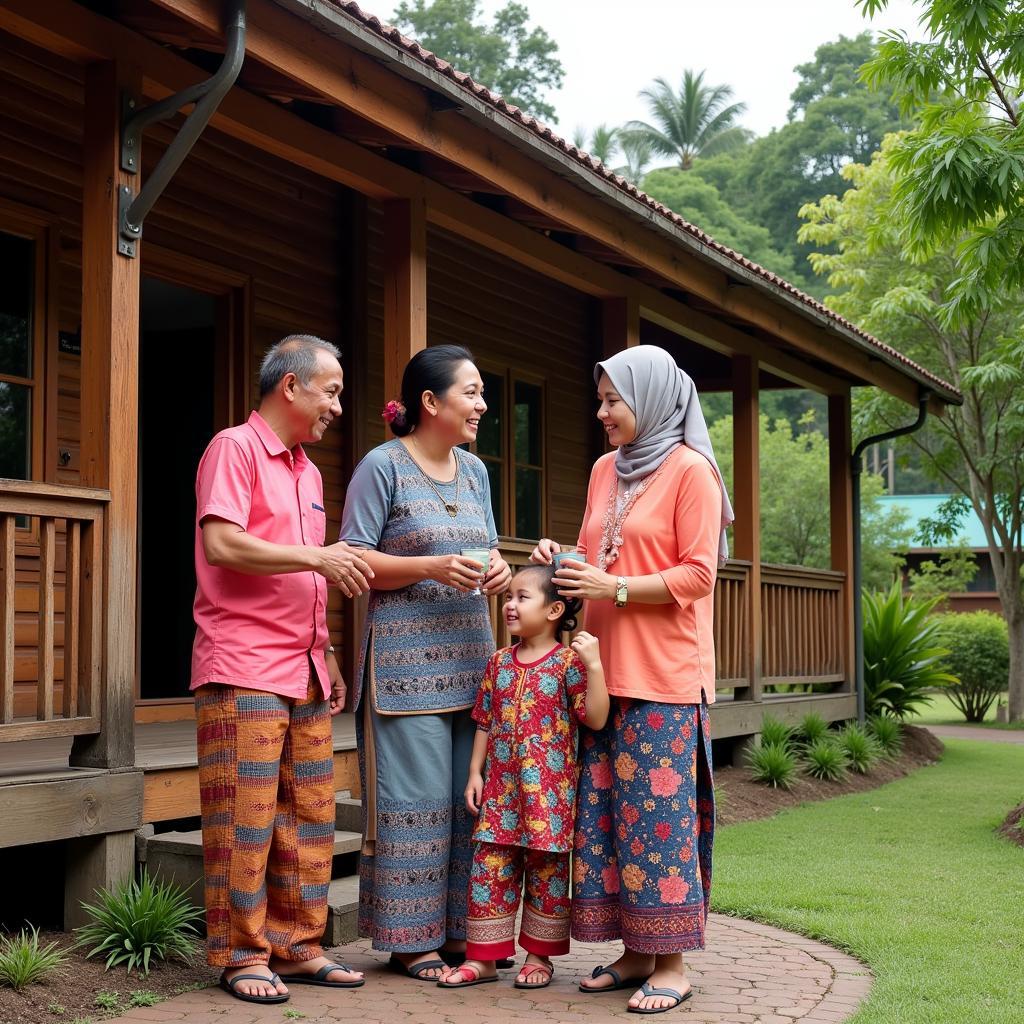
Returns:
<point x="25" y="960"/>
<point x="909" y="878"/>
<point x="942" y="711"/>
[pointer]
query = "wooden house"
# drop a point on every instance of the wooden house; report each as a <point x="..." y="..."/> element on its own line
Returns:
<point x="348" y="184"/>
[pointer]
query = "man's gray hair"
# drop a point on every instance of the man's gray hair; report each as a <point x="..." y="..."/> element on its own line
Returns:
<point x="298" y="354"/>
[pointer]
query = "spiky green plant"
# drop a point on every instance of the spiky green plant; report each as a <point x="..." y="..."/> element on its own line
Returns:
<point x="825" y="759"/>
<point x="887" y="733"/>
<point x="773" y="764"/>
<point x="859" y="747"/>
<point x="902" y="654"/>
<point x="775" y="732"/>
<point x="24" y="960"/>
<point x="812" y="728"/>
<point x="139" y="922"/>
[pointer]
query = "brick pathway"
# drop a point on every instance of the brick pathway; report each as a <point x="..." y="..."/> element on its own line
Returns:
<point x="749" y="974"/>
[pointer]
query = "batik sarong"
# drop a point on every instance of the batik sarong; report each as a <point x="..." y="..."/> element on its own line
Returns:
<point x="645" y="827"/>
<point x="266" y="788"/>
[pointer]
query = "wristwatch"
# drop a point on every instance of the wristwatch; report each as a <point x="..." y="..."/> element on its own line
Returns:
<point x="329" y="649"/>
<point x="620" y="592"/>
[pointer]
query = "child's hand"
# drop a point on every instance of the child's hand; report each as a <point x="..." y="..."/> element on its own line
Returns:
<point x="588" y="649"/>
<point x="474" y="792"/>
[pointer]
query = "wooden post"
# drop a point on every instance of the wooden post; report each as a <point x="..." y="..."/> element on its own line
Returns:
<point x="620" y="324"/>
<point x="405" y="288"/>
<point x="94" y="862"/>
<point x="840" y="489"/>
<point x="746" y="496"/>
<point x="110" y="405"/>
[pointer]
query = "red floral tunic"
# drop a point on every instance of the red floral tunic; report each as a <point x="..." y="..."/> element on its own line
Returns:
<point x="530" y="712"/>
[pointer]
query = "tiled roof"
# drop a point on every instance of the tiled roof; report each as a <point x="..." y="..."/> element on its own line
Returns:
<point x="585" y="160"/>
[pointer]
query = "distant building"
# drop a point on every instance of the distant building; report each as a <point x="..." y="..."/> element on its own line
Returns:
<point x="981" y="592"/>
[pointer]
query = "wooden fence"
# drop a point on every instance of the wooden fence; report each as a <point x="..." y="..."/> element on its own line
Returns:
<point x="51" y="609"/>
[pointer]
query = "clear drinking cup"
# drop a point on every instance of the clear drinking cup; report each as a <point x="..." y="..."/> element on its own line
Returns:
<point x="478" y="555"/>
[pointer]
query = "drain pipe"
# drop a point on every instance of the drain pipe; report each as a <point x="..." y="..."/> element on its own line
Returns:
<point x="206" y="96"/>
<point x="858" y="610"/>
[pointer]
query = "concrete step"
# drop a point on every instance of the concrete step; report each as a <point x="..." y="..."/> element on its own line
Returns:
<point x="342" y="911"/>
<point x="348" y="813"/>
<point x="190" y="844"/>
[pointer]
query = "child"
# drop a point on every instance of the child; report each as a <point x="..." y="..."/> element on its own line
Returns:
<point x="525" y="795"/>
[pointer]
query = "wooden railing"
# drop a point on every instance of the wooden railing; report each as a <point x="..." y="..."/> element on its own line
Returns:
<point x="51" y="609"/>
<point x="803" y="629"/>
<point x="801" y="622"/>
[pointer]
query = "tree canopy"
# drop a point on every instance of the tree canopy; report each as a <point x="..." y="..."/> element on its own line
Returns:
<point x="507" y="56"/>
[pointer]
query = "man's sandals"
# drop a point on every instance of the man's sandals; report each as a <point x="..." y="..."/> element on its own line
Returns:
<point x="246" y="997"/>
<point x="322" y="976"/>
<point x="647" y="989"/>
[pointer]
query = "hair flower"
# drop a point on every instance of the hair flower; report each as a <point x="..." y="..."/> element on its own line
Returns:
<point x="394" y="410"/>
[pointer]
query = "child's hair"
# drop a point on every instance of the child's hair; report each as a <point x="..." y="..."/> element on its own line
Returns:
<point x="546" y="574"/>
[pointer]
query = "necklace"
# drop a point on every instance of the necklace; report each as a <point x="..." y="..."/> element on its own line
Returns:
<point x="451" y="507"/>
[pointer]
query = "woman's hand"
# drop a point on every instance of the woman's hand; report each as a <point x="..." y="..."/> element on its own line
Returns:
<point x="474" y="792"/>
<point x="499" y="575"/>
<point x="545" y="549"/>
<point x="586" y="646"/>
<point x="458" y="571"/>
<point x="580" y="579"/>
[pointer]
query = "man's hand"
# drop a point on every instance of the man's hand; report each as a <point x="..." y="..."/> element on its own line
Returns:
<point x="344" y="567"/>
<point x="338" y="688"/>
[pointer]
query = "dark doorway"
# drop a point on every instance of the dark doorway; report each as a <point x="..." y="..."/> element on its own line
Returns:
<point x="178" y="374"/>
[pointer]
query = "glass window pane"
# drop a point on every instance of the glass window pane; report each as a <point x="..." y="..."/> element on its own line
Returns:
<point x="488" y="438"/>
<point x="16" y="305"/>
<point x="528" y="423"/>
<point x="15" y="433"/>
<point x="494" y="476"/>
<point x="528" y="503"/>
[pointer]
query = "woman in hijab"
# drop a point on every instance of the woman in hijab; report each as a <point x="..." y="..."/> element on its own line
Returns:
<point x="653" y="535"/>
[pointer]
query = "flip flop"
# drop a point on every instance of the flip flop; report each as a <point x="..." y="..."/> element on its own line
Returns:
<point x="455" y="958"/>
<point x="229" y="987"/>
<point x="615" y="976"/>
<point x="670" y="993"/>
<point x="471" y="973"/>
<point x="416" y="971"/>
<point x="529" y="970"/>
<point x="321" y="976"/>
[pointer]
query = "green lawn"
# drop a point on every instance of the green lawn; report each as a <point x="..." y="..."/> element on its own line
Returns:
<point x="942" y="711"/>
<point x="909" y="878"/>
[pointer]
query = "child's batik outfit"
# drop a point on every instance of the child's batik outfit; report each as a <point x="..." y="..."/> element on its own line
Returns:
<point x="528" y="808"/>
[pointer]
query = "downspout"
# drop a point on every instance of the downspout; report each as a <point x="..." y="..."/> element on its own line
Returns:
<point x="858" y="611"/>
<point x="206" y="96"/>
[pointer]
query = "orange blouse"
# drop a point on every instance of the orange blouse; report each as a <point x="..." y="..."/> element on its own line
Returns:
<point x="660" y="652"/>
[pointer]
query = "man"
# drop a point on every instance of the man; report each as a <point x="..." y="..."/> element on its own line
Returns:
<point x="266" y="680"/>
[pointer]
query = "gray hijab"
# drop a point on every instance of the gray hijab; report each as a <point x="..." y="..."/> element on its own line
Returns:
<point x="667" y="409"/>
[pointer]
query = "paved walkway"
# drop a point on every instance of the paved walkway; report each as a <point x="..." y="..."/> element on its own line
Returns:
<point x="749" y="974"/>
<point x="977" y="732"/>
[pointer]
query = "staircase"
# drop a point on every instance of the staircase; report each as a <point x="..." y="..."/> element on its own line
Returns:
<point x="178" y="856"/>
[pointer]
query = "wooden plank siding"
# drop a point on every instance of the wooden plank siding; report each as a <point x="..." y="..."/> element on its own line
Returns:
<point x="265" y="222"/>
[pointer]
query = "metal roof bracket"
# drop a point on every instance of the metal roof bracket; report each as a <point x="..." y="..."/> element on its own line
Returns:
<point x="206" y="97"/>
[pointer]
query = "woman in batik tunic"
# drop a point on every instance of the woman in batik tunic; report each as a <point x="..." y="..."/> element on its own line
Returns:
<point x="653" y="535"/>
<point x="414" y="503"/>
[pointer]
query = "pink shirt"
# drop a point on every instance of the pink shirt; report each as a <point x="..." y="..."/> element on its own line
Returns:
<point x="660" y="652"/>
<point x="259" y="631"/>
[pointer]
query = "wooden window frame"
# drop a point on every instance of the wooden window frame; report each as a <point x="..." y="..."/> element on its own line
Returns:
<point x="507" y="461"/>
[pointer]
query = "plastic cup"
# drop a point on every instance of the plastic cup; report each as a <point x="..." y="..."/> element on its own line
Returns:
<point x="478" y="555"/>
<point x="567" y="556"/>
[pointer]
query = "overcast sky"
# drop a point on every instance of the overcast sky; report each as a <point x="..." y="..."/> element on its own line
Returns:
<point x="611" y="49"/>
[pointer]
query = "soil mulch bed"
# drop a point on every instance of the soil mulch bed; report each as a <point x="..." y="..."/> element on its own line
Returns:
<point x="1013" y="827"/>
<point x="72" y="994"/>
<point x="742" y="799"/>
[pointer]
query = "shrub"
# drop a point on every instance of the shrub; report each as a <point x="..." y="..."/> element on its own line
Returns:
<point x="773" y="764"/>
<point x="979" y="658"/>
<point x="887" y="733"/>
<point x="812" y="728"/>
<point x="775" y="733"/>
<point x="825" y="759"/>
<point x="24" y="961"/>
<point x="859" y="747"/>
<point x="139" y="922"/>
<point x="902" y="654"/>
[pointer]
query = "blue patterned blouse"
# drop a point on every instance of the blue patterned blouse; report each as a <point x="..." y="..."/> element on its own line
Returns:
<point x="426" y="645"/>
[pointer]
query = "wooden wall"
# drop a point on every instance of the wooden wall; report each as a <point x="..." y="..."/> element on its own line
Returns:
<point x="269" y="233"/>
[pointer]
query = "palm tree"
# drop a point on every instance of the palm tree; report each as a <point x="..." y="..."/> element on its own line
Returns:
<point x="697" y="121"/>
<point x="604" y="142"/>
<point x="637" y="151"/>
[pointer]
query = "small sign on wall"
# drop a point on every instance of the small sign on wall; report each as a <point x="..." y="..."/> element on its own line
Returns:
<point x="69" y="343"/>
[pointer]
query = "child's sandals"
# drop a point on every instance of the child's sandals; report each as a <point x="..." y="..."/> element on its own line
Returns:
<point x="528" y="970"/>
<point x="468" y="974"/>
